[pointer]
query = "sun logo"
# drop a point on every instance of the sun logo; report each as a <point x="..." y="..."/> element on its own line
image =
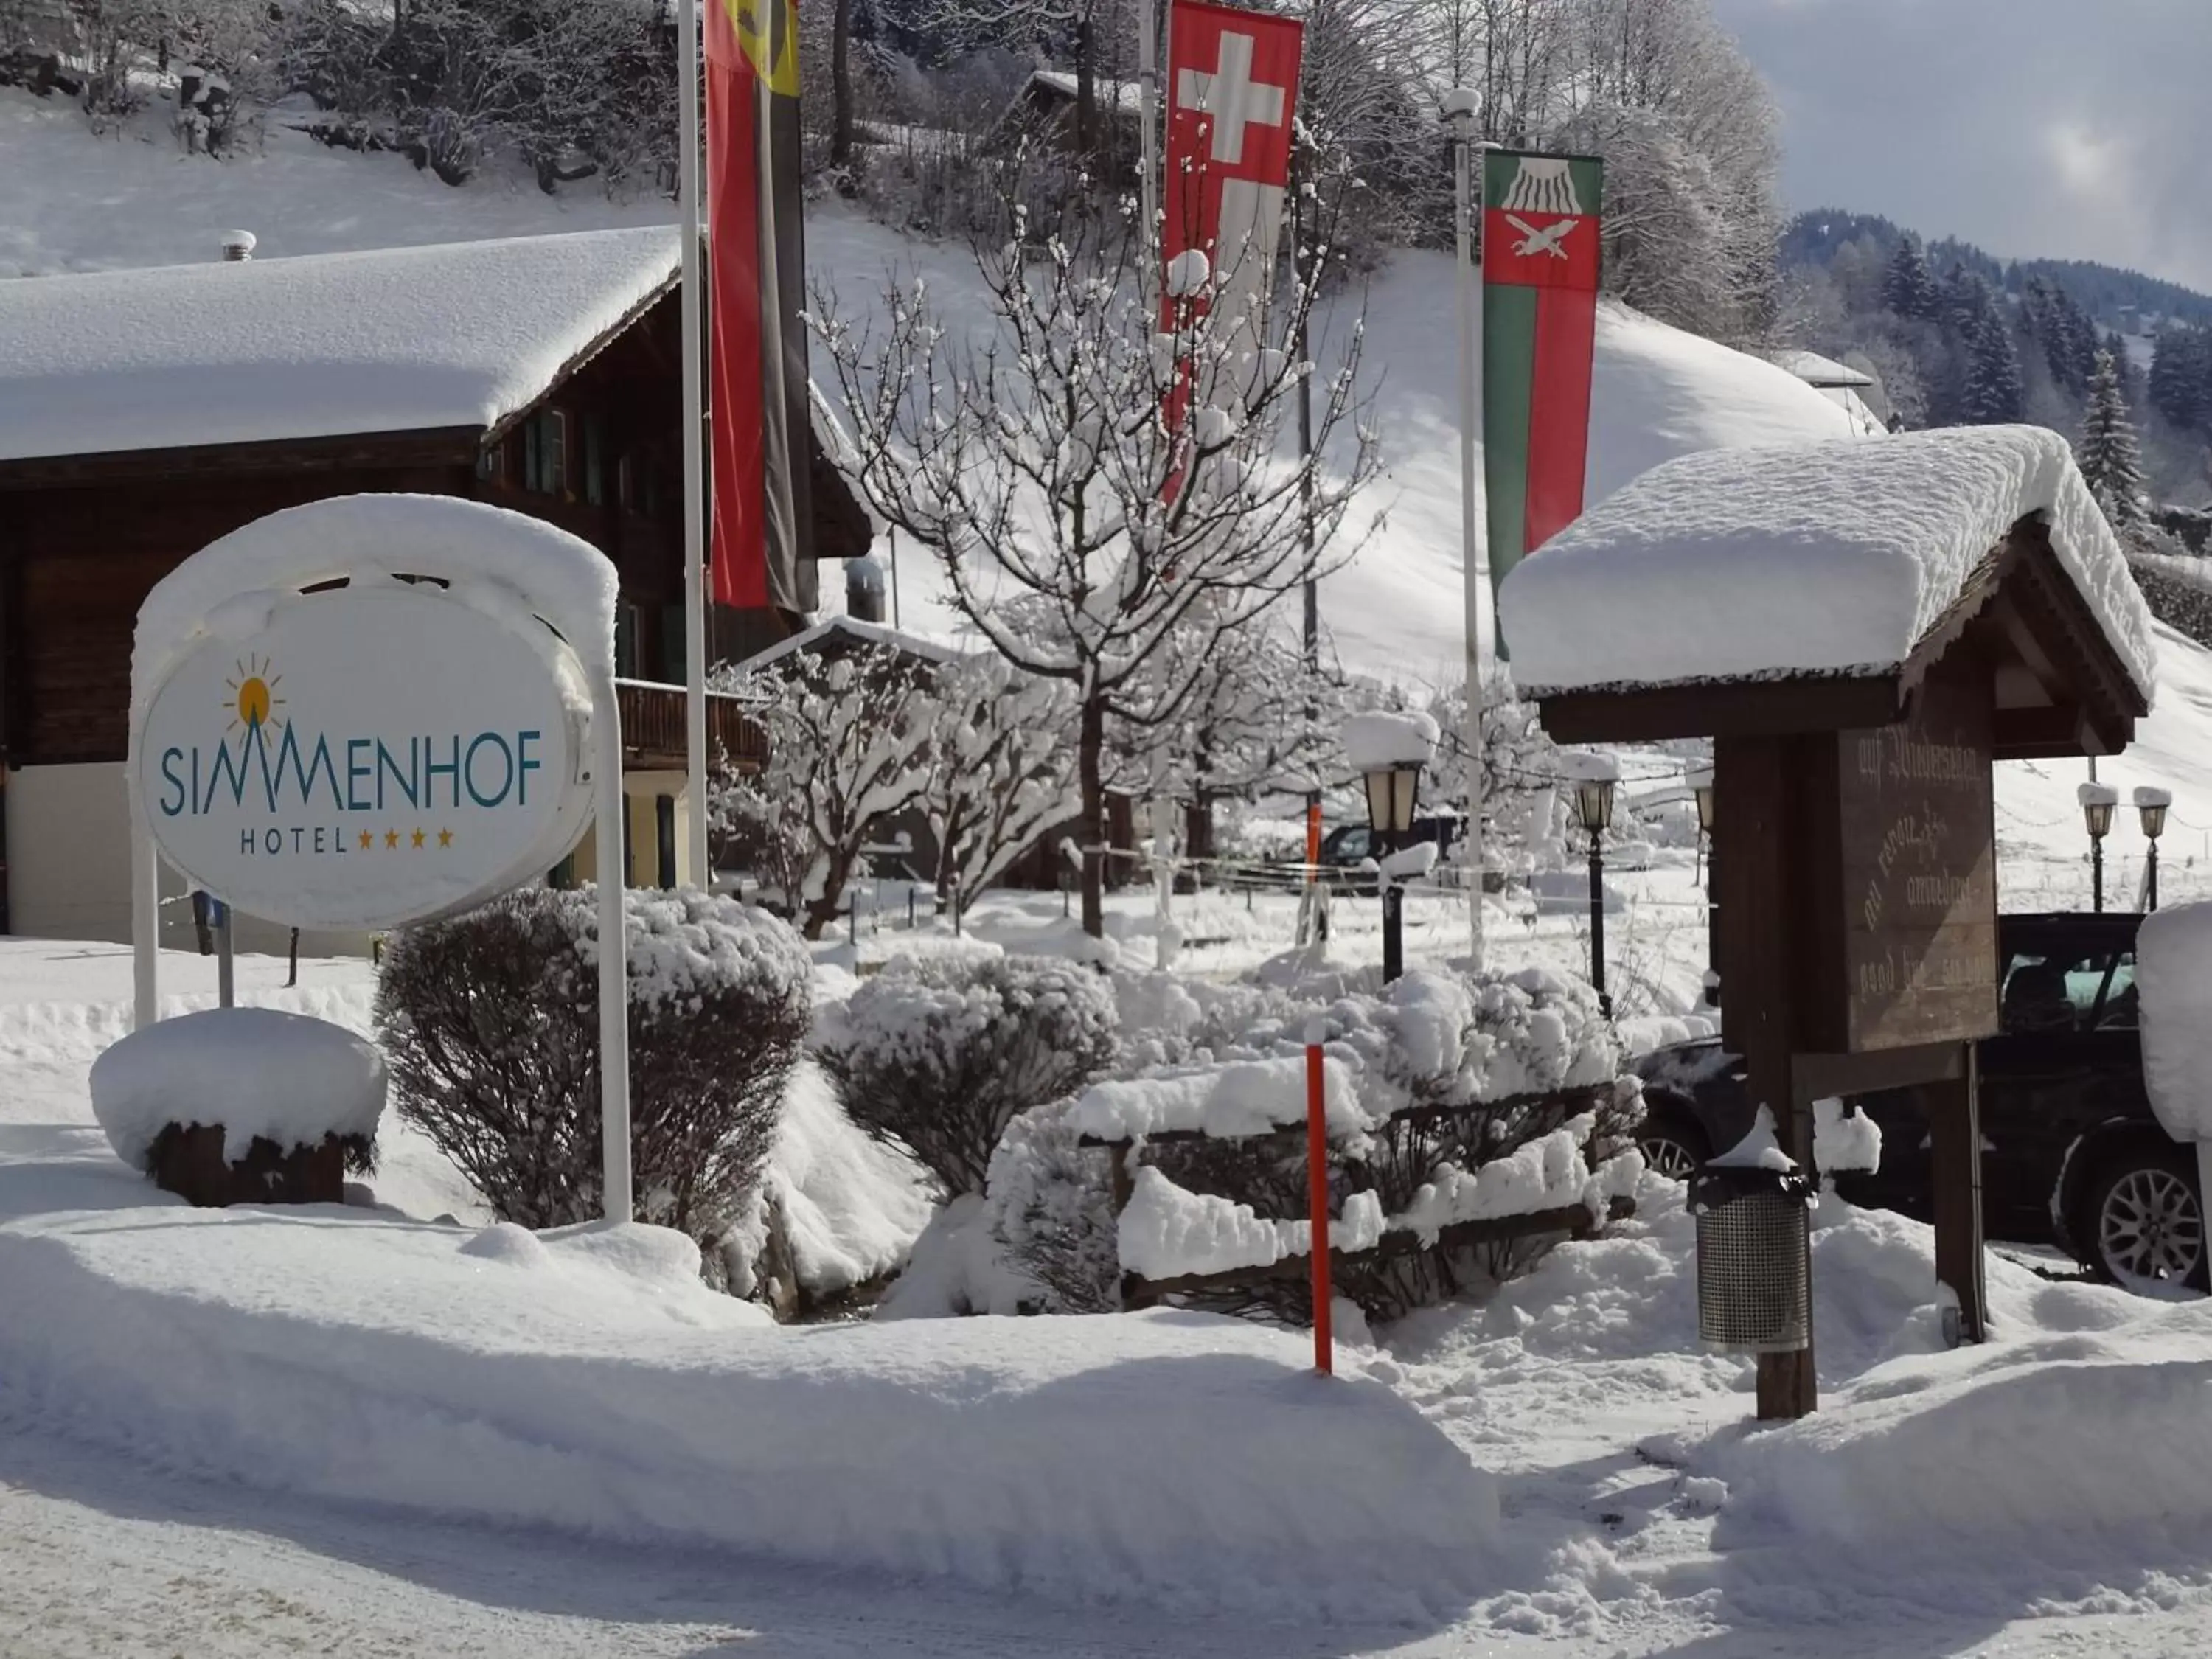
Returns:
<point x="253" y="702"/>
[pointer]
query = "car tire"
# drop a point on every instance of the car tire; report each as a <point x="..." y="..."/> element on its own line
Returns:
<point x="1671" y="1144"/>
<point x="2143" y="1220"/>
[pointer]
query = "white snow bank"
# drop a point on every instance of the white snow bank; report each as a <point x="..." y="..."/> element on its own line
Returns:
<point x="1830" y="557"/>
<point x="589" y="1386"/>
<point x="1384" y="738"/>
<point x="1165" y="1230"/>
<point x="2173" y="986"/>
<point x="852" y="1207"/>
<point x="1227" y="1102"/>
<point x="390" y="340"/>
<point x="260" y="1073"/>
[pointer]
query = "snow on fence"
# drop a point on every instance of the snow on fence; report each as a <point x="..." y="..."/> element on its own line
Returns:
<point x="1172" y="1241"/>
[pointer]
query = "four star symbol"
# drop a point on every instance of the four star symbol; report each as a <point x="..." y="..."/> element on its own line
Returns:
<point x="445" y="838"/>
<point x="366" y="838"/>
<point x="418" y="838"/>
<point x="391" y="838"/>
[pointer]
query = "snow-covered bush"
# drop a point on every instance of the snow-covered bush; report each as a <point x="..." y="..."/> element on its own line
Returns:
<point x="490" y="1022"/>
<point x="938" y="1058"/>
<point x="1489" y="1062"/>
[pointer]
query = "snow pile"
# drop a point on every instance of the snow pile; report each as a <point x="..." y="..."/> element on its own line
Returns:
<point x="1224" y="1101"/>
<point x="1828" y="558"/>
<point x="590" y="1384"/>
<point x="851" y="1207"/>
<point x="2145" y="795"/>
<point x="1760" y="1149"/>
<point x="2096" y="794"/>
<point x="390" y="340"/>
<point x="1548" y="1173"/>
<point x="1166" y="1231"/>
<point x="1844" y="1139"/>
<point x="1381" y="738"/>
<point x="2173" y="983"/>
<point x="260" y="1073"/>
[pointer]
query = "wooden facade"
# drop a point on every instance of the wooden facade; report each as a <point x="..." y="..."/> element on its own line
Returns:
<point x="84" y="538"/>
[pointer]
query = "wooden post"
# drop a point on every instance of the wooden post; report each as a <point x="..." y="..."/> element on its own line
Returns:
<point x="1756" y="846"/>
<point x="1955" y="1129"/>
<point x="1317" y="1197"/>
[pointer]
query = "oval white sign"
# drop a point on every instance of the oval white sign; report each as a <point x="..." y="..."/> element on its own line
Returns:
<point x="371" y="756"/>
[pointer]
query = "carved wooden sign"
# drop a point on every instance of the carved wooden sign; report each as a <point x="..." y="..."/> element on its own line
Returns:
<point x="1919" y="868"/>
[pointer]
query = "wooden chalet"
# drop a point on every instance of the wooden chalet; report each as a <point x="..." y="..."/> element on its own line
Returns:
<point x="145" y="413"/>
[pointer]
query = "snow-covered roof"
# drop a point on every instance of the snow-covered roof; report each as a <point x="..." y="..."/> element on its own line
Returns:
<point x="859" y="633"/>
<point x="1127" y="96"/>
<point x="1815" y="370"/>
<point x="327" y="345"/>
<point x="1828" y="558"/>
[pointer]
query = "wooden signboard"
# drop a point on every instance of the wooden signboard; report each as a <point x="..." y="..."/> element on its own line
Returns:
<point x="1917" y="857"/>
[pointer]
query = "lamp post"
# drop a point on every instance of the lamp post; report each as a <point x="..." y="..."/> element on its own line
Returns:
<point x="2098" y="801"/>
<point x="1393" y="789"/>
<point x="1595" y="774"/>
<point x="2152" y="804"/>
<point x="1701" y="787"/>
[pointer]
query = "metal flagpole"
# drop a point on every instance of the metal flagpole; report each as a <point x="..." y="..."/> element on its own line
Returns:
<point x="1148" y="100"/>
<point x="694" y="468"/>
<point x="1462" y="104"/>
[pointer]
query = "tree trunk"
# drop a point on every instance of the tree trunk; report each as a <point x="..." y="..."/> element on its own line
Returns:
<point x="1090" y="761"/>
<point x="841" y="86"/>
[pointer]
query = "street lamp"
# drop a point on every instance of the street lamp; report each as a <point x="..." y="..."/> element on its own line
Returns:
<point x="1701" y="787"/>
<point x="2098" y="801"/>
<point x="2152" y="804"/>
<point x="1594" y="775"/>
<point x="1388" y="749"/>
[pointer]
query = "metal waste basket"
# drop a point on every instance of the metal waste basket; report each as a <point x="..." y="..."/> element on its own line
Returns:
<point x="1755" y="1259"/>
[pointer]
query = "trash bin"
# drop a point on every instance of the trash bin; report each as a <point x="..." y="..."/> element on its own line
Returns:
<point x="1755" y="1259"/>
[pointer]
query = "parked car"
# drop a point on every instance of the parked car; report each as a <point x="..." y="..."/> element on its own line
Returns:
<point x="2071" y="1152"/>
<point x="1348" y="847"/>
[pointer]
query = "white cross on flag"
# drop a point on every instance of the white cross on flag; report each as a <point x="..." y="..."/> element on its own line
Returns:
<point x="1232" y="88"/>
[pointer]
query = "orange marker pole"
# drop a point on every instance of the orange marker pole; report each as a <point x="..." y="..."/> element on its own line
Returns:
<point x="1313" y="841"/>
<point x="1317" y="1192"/>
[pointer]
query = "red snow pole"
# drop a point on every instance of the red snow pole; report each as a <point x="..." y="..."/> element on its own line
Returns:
<point x="1317" y="1194"/>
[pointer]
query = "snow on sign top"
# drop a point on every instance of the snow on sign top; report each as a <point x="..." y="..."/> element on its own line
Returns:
<point x="1828" y="558"/>
<point x="390" y="340"/>
<point x="1384" y="738"/>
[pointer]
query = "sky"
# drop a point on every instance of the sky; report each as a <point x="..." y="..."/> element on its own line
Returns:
<point x="2069" y="128"/>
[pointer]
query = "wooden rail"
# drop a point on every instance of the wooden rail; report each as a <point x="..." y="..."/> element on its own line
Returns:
<point x="653" y="728"/>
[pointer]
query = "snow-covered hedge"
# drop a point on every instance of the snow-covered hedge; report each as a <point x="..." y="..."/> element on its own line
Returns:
<point x="490" y="1022"/>
<point x="939" y="1057"/>
<point x="1529" y="1110"/>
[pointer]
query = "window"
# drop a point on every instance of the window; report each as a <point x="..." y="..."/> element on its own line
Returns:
<point x="675" y="667"/>
<point x="491" y="461"/>
<point x="595" y="444"/>
<point x="2050" y="992"/>
<point x="545" y="461"/>
<point x="626" y="483"/>
<point x="626" y="641"/>
<point x="2118" y="1011"/>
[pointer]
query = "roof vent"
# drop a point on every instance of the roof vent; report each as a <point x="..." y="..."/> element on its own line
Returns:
<point x="238" y="245"/>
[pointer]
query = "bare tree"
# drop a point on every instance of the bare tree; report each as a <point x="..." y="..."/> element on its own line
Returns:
<point x="1042" y="465"/>
<point x="849" y="743"/>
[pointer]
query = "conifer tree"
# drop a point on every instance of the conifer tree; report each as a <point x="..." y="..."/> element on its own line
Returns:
<point x="1906" y="287"/>
<point x="2112" y="463"/>
<point x="1995" y="391"/>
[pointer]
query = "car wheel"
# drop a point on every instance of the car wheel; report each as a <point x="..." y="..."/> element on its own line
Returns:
<point x="2146" y="1221"/>
<point x="1672" y="1147"/>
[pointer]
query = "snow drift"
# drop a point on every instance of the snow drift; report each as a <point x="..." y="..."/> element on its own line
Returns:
<point x="583" y="1380"/>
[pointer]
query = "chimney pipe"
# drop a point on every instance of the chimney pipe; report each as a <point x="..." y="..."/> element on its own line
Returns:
<point x="864" y="590"/>
<point x="238" y="245"/>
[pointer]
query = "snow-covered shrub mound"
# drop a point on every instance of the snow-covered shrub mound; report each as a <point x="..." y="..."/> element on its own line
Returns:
<point x="258" y="1073"/>
<point x="939" y="1057"/>
<point x="491" y="1022"/>
<point x="1180" y="1463"/>
<point x="1048" y="1215"/>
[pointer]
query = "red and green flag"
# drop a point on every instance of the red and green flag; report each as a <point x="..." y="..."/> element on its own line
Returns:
<point x="1540" y="272"/>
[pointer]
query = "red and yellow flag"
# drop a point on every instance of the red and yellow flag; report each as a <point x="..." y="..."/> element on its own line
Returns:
<point x="756" y="372"/>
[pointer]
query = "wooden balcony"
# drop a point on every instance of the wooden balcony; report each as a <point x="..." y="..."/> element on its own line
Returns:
<point x="652" y="729"/>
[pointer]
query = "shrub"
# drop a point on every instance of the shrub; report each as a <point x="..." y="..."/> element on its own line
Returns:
<point x="938" y="1059"/>
<point x="490" y="1022"/>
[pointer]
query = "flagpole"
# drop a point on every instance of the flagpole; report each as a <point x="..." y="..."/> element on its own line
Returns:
<point x="1462" y="104"/>
<point x="1148" y="163"/>
<point x="694" y="469"/>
